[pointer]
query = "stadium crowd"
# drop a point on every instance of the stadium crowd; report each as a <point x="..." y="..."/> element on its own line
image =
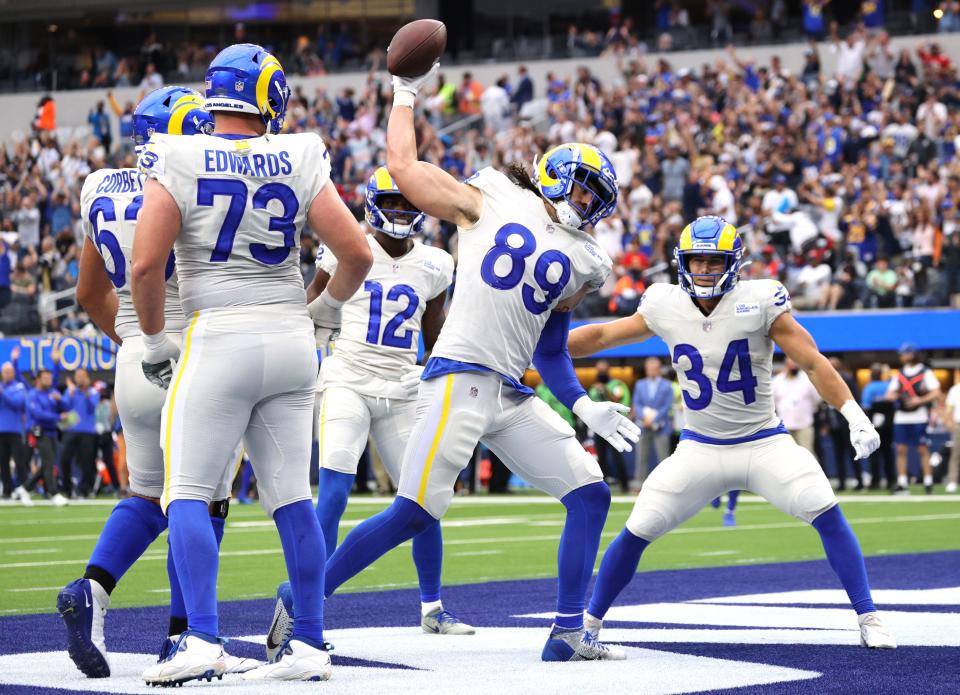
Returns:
<point x="846" y="186"/>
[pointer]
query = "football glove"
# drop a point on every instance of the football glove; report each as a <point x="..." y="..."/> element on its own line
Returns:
<point x="864" y="438"/>
<point x="410" y="380"/>
<point x="607" y="420"/>
<point x="414" y="84"/>
<point x="325" y="311"/>
<point x="159" y="356"/>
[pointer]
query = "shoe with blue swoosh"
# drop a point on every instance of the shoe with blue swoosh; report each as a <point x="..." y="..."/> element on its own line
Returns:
<point x="82" y="615"/>
<point x="578" y="645"/>
<point x="441" y="622"/>
<point x="235" y="664"/>
<point x="194" y="657"/>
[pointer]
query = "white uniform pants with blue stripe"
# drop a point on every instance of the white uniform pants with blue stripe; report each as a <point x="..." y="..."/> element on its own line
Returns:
<point x="456" y="411"/>
<point x="244" y="373"/>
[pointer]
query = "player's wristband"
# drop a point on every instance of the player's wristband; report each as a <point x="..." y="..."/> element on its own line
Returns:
<point x="404" y="98"/>
<point x="155" y="341"/>
<point x="853" y="412"/>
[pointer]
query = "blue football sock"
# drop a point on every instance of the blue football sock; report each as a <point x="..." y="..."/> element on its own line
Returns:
<point x="178" y="612"/>
<point x="305" y="556"/>
<point x="616" y="570"/>
<point x="399" y="522"/>
<point x="130" y="529"/>
<point x="732" y="500"/>
<point x="194" y="547"/>
<point x="587" y="508"/>
<point x="331" y="503"/>
<point x="428" y="557"/>
<point x="846" y="559"/>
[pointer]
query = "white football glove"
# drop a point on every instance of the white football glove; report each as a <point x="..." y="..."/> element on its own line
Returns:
<point x="414" y="84"/>
<point x="159" y="356"/>
<point x="607" y="420"/>
<point x="410" y="380"/>
<point x="864" y="438"/>
<point x="325" y="311"/>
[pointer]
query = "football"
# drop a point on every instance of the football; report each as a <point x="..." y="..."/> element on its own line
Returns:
<point x="415" y="47"/>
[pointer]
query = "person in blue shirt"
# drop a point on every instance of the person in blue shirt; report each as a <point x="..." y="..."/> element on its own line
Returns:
<point x="13" y="404"/>
<point x="80" y="441"/>
<point x="652" y="400"/>
<point x="44" y="413"/>
<point x="814" y="24"/>
<point x="100" y="123"/>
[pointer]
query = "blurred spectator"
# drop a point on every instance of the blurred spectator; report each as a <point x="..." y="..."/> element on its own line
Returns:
<point x="882" y="284"/>
<point x="796" y="400"/>
<point x="953" y="420"/>
<point x="814" y="22"/>
<point x="468" y="95"/>
<point x="13" y="404"/>
<point x="912" y="390"/>
<point x="151" y="79"/>
<point x="523" y="92"/>
<point x="840" y="434"/>
<point x="606" y="388"/>
<point x="79" y="442"/>
<point x="46" y="119"/>
<point x="875" y="404"/>
<point x="652" y="400"/>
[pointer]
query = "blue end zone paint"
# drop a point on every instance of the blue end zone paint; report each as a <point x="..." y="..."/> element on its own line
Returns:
<point x="847" y="669"/>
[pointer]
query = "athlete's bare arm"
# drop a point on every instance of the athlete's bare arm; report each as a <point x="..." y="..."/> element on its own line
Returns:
<point x="428" y="187"/>
<point x="341" y="233"/>
<point x="317" y="285"/>
<point x="95" y="292"/>
<point x="798" y="345"/>
<point x="587" y="340"/>
<point x="432" y="322"/>
<point x="157" y="228"/>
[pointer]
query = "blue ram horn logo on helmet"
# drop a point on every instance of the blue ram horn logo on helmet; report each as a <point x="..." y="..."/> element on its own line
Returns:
<point x="382" y="192"/>
<point x="709" y="236"/>
<point x="173" y="110"/>
<point x="245" y="78"/>
<point x="576" y="165"/>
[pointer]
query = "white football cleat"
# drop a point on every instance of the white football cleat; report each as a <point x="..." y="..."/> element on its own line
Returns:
<point x="592" y="625"/>
<point x="194" y="658"/>
<point x="21" y="494"/>
<point x="59" y="500"/>
<point x="297" y="661"/>
<point x="239" y="664"/>
<point x="873" y="633"/>
<point x="441" y="622"/>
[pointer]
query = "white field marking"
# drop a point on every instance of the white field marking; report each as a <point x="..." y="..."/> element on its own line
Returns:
<point x="21" y="590"/>
<point x="159" y="591"/>
<point x="50" y="539"/>
<point x="38" y="522"/>
<point x="535" y="539"/>
<point x="472" y="553"/>
<point x="718" y="553"/>
<point x="33" y="551"/>
<point x="451" y="523"/>
<point x="784" y="624"/>
<point x="947" y="596"/>
<point x="514" y="500"/>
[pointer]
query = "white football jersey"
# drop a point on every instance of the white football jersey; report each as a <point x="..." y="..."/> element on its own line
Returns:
<point x="724" y="361"/>
<point x="380" y="329"/>
<point x="109" y="205"/>
<point x="243" y="203"/>
<point x="513" y="266"/>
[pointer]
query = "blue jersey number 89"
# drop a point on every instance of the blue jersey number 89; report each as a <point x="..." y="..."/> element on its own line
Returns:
<point x="518" y="256"/>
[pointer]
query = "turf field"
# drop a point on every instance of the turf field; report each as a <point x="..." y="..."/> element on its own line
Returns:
<point x="486" y="539"/>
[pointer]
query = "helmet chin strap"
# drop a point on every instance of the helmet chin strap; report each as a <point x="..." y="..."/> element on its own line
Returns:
<point x="566" y="215"/>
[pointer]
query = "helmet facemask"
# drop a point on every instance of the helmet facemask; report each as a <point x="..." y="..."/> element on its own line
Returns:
<point x="391" y="213"/>
<point x="714" y="284"/>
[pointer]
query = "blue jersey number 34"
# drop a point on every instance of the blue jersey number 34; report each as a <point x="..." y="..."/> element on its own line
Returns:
<point x="738" y="352"/>
<point x="518" y="256"/>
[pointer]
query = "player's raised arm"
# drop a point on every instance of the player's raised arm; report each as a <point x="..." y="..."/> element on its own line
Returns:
<point x="595" y="337"/>
<point x="428" y="187"/>
<point x="317" y="285"/>
<point x="798" y="345"/>
<point x="95" y="292"/>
